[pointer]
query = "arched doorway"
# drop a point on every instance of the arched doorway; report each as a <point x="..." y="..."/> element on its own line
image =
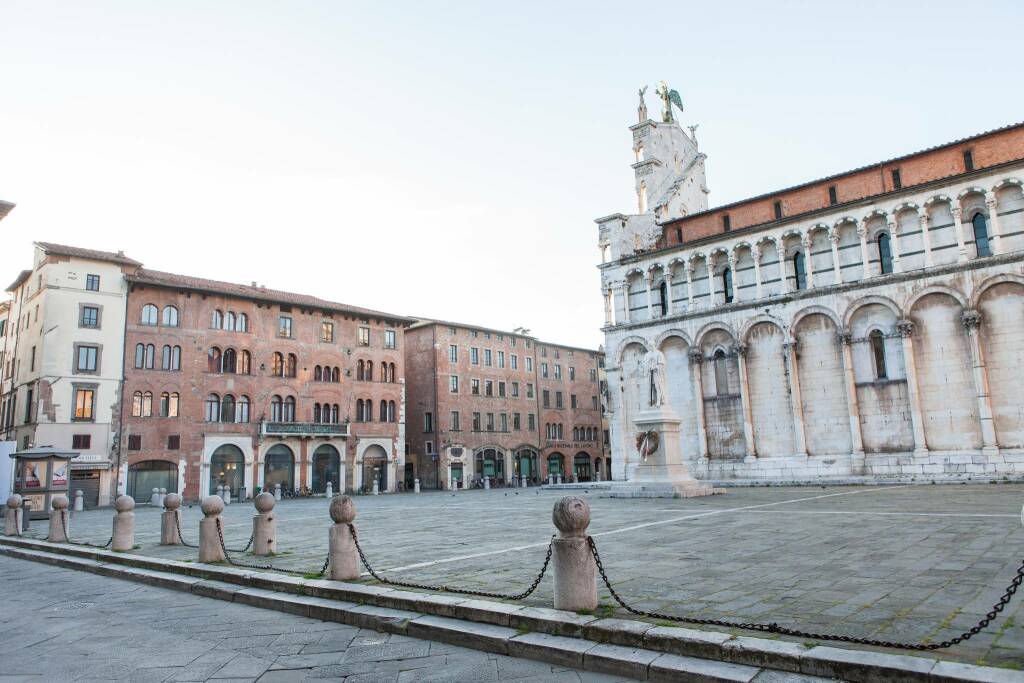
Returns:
<point x="490" y="462"/>
<point x="556" y="464"/>
<point x="279" y="468"/>
<point x="147" y="475"/>
<point x="526" y="464"/>
<point x="375" y="467"/>
<point x="326" y="468"/>
<point x="581" y="466"/>
<point x="227" y="468"/>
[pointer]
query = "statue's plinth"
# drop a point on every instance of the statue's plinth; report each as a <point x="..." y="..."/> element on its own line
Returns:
<point x="663" y="474"/>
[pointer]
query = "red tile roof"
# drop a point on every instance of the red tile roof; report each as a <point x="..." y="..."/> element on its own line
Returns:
<point x="91" y="254"/>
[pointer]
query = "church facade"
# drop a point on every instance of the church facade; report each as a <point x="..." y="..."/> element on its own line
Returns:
<point x="868" y="324"/>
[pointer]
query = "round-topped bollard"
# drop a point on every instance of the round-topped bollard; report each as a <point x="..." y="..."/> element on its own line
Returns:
<point x="329" y="490"/>
<point x="79" y="501"/>
<point x="123" y="538"/>
<point x="415" y="485"/>
<point x="210" y="547"/>
<point x="163" y="494"/>
<point x="12" y="515"/>
<point x="571" y="559"/>
<point x="170" y="519"/>
<point x="277" y="492"/>
<point x="343" y="562"/>
<point x="154" y="497"/>
<point x="264" y="525"/>
<point x="59" y="521"/>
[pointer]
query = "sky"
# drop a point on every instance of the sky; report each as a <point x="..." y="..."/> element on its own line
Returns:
<point x="447" y="159"/>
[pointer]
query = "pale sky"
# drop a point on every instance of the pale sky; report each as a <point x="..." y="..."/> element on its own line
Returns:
<point x="447" y="159"/>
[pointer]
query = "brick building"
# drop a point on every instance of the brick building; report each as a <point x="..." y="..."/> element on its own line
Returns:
<point x="249" y="387"/>
<point x="486" y="402"/>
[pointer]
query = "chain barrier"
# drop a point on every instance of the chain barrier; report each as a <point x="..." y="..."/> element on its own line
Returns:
<point x="67" y="537"/>
<point x="236" y="563"/>
<point x="177" y="525"/>
<point x="448" y="589"/>
<point x="775" y="628"/>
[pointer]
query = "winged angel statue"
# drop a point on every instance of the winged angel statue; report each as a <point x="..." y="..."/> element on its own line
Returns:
<point x="668" y="98"/>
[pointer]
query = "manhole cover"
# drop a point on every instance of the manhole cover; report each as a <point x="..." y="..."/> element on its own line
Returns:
<point x="73" y="606"/>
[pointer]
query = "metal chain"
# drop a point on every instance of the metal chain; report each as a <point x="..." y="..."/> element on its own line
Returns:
<point x="235" y="563"/>
<point x="67" y="537"/>
<point x="773" y="627"/>
<point x="448" y="589"/>
<point x="177" y="525"/>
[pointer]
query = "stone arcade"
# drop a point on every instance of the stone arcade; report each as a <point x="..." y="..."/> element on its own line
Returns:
<point x="864" y="324"/>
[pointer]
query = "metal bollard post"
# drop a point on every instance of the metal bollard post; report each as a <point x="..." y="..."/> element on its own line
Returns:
<point x="343" y="561"/>
<point x="415" y="485"/>
<point x="170" y="519"/>
<point x="571" y="559"/>
<point x="210" y="548"/>
<point x="59" y="521"/>
<point x="79" y="501"/>
<point x="123" y="538"/>
<point x="264" y="526"/>
<point x="12" y="516"/>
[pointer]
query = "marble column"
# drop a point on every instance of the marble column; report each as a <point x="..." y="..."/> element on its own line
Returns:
<point x="625" y="301"/>
<point x="972" y="321"/>
<point x="808" y="259"/>
<point x="862" y="233"/>
<point x="781" y="251"/>
<point x="748" y="420"/>
<point x="926" y="237"/>
<point x="789" y="349"/>
<point x="669" y="306"/>
<point x="688" y="267"/>
<point x="837" y="269"/>
<point x="845" y="342"/>
<point x="735" y="280"/>
<point x="755" y="253"/>
<point x="697" y="362"/>
<point x="961" y="244"/>
<point x="648" y="276"/>
<point x="711" y="281"/>
<point x="995" y="229"/>
<point x="906" y="330"/>
<point x="894" y="241"/>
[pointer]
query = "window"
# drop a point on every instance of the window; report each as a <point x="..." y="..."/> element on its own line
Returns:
<point x="213" y="360"/>
<point x="798" y="270"/>
<point x="229" y="361"/>
<point x="150" y="356"/>
<point x="81" y="441"/>
<point x="558" y="371"/>
<point x="327" y="331"/>
<point x="170" y="316"/>
<point x="503" y="422"/>
<point x="213" y="408"/>
<point x="229" y="321"/>
<point x="428" y="447"/>
<point x="546" y="398"/>
<point x="383" y="411"/>
<point x="897" y="182"/>
<point x="593" y="403"/>
<point x="216" y="319"/>
<point x="572" y="401"/>
<point x="488" y="388"/>
<point x="490" y="422"/>
<point x="679" y="234"/>
<point x="28" y="406"/>
<point x="284" y="327"/>
<point x="501" y="389"/>
<point x="137" y="404"/>
<point x="726" y="226"/>
<point x="529" y="390"/>
<point x="515" y="389"/>
<point x="529" y="364"/>
<point x="777" y="206"/>
<point x="84" y="401"/>
<point x="364" y="336"/>
<point x="878" y="353"/>
<point x="227" y="408"/>
<point x="981" y="242"/>
<point x="476" y="422"/>
<point x="173" y="442"/>
<point x="390" y="340"/>
<point x="428" y="422"/>
<point x="544" y="370"/>
<point x="474" y="387"/>
<point x="453" y="353"/>
<point x="453" y="384"/>
<point x="968" y="160"/>
<point x="244" y="363"/>
<point x="501" y="359"/>
<point x="277" y="365"/>
<point x="833" y="198"/>
<point x="172" y="406"/>
<point x="92" y="283"/>
<point x="166" y="407"/>
<point x="727" y="285"/>
<point x="516" y="422"/>
<point x="90" y="317"/>
<point x="368" y="372"/>
<point x="453" y="423"/>
<point x="149" y="315"/>
<point x="721" y="373"/>
<point x="87" y="359"/>
<point x="558" y="399"/>
<point x="531" y="422"/>
<point x="487" y="357"/>
<point x="884" y="253"/>
<point x="135" y="442"/>
<point x="474" y="355"/>
<point x="513" y="361"/>
<point x="289" y="409"/>
<point x="32" y="359"/>
<point x="243" y="323"/>
<point x="293" y="363"/>
<point x="593" y="374"/>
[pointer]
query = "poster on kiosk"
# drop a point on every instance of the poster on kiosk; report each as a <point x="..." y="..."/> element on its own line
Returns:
<point x="39" y="474"/>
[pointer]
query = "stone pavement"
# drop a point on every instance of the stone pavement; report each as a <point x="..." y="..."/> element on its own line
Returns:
<point x="65" y="625"/>
<point x="897" y="562"/>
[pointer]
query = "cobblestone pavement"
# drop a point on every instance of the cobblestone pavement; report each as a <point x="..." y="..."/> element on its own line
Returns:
<point x="895" y="562"/>
<point x="65" y="625"/>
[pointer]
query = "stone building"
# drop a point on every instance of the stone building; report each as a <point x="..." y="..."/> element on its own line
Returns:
<point x="504" y="405"/>
<point x="867" y="323"/>
<point x="249" y="387"/>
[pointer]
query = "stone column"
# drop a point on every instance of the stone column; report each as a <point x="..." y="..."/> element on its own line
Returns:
<point x="264" y="525"/>
<point x="735" y="280"/>
<point x="571" y="559"/>
<point x="669" y="306"/>
<point x="609" y="297"/>
<point x="972" y="321"/>
<point x="12" y="516"/>
<point x="961" y="244"/>
<point x="650" y="304"/>
<point x="906" y="330"/>
<point x="697" y="362"/>
<point x="343" y="558"/>
<point x="996" y="236"/>
<point x="689" y="285"/>
<point x="170" y="519"/>
<point x="59" y="521"/>
<point x="809" y="260"/>
<point x="711" y="281"/>
<point x="789" y="349"/>
<point x="123" y="538"/>
<point x="210" y="548"/>
<point x="781" y="251"/>
<point x="837" y="268"/>
<point x="755" y="253"/>
<point x="926" y="238"/>
<point x="894" y="241"/>
<point x="845" y="341"/>
<point x="625" y="300"/>
<point x="748" y="421"/>
<point x="862" y="233"/>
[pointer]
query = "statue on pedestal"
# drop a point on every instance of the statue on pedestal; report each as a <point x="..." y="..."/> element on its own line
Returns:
<point x="668" y="98"/>
<point x="641" y="111"/>
<point x="654" y="367"/>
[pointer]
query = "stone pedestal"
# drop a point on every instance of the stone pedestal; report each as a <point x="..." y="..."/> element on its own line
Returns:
<point x="123" y="536"/>
<point x="79" y="501"/>
<point x="416" y="486"/>
<point x="12" y="516"/>
<point x="264" y="526"/>
<point x="210" y="548"/>
<point x="573" y="565"/>
<point x="663" y="474"/>
<point x="59" y="521"/>
<point x="343" y="564"/>
<point x="170" y="519"/>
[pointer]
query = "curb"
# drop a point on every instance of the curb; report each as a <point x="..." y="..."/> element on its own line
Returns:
<point x="612" y="646"/>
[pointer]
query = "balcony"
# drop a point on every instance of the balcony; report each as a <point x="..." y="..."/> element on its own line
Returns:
<point x="303" y="429"/>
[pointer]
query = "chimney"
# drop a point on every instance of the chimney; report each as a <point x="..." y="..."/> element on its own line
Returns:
<point x="120" y="253"/>
<point x="254" y="284"/>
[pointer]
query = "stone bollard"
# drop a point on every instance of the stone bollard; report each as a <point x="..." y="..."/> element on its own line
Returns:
<point x="487" y="483"/>
<point x="329" y="492"/>
<point x="170" y="519"/>
<point x="79" y="501"/>
<point x="415" y="485"/>
<point x="227" y="495"/>
<point x="264" y="526"/>
<point x="154" y="498"/>
<point x="210" y="548"/>
<point x="163" y="494"/>
<point x="558" y="479"/>
<point x="277" y="492"/>
<point x="571" y="559"/>
<point x="522" y="482"/>
<point x="12" y="516"/>
<point x="59" y="521"/>
<point x="123" y="538"/>
<point x="376" y="487"/>
<point x="551" y="479"/>
<point x="343" y="564"/>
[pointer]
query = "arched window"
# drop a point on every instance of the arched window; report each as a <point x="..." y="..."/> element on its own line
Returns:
<point x="277" y="366"/>
<point x="799" y="270"/>
<point x="318" y="374"/>
<point x="242" y="325"/>
<point x="360" y="370"/>
<point x="359" y="410"/>
<point x="227" y="408"/>
<point x="165" y="358"/>
<point x="172" y="406"/>
<point x="392" y="415"/>
<point x="229" y="363"/>
<point x="369" y="371"/>
<point x="575" y="434"/>
<point x="368" y="409"/>
<point x="884" y="253"/>
<point x="150" y="356"/>
<point x="170" y="316"/>
<point x="393" y="374"/>
<point x="165" y="404"/>
<point x="137" y="404"/>
<point x="176" y="358"/>
<point x="229" y="321"/>
<point x="242" y="409"/>
<point x="276" y="411"/>
<point x="878" y="353"/>
<point x="316" y="412"/>
<point x="663" y="297"/>
<point x="244" y="363"/>
<point x="336" y="374"/>
<point x="293" y="363"/>
<point x="383" y="411"/>
<point x="560" y="425"/>
<point x="213" y="408"/>
<point x="289" y="409"/>
<point x="981" y="242"/>
<point x="216" y="320"/>
<point x="335" y="411"/>
<point x="727" y="285"/>
<point x="213" y="363"/>
<point x="721" y="373"/>
<point x="140" y="355"/>
<point x="149" y="314"/>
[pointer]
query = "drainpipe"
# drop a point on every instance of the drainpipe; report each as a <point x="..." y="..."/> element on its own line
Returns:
<point x="120" y="412"/>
